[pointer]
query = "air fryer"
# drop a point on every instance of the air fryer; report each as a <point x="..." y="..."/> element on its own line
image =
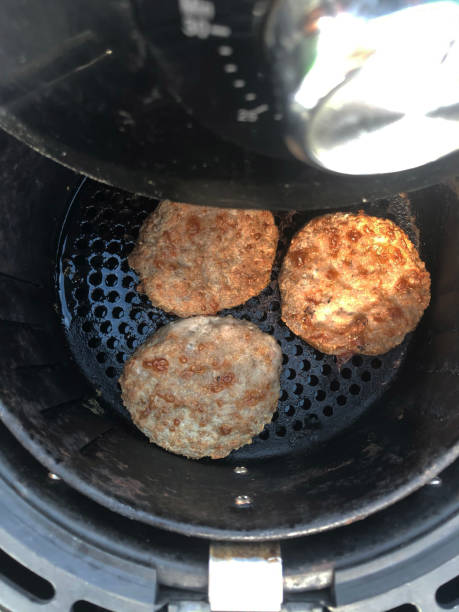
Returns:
<point x="346" y="440"/>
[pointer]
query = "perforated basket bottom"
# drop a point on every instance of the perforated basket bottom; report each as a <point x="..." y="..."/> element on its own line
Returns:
<point x="106" y="320"/>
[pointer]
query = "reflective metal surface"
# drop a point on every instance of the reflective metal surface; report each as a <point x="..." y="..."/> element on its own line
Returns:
<point x="368" y="87"/>
<point x="245" y="577"/>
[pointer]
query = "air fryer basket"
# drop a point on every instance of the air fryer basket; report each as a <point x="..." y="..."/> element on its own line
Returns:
<point x="343" y="443"/>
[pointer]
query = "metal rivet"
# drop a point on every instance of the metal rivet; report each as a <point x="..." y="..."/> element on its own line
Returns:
<point x="230" y="68"/>
<point x="243" y="500"/>
<point x="238" y="83"/>
<point x="240" y="469"/>
<point x="53" y="476"/>
<point x="225" y="50"/>
<point x="436" y="482"/>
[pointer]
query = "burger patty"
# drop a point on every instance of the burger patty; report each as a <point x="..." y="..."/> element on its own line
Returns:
<point x="203" y="386"/>
<point x="352" y="283"/>
<point x="198" y="260"/>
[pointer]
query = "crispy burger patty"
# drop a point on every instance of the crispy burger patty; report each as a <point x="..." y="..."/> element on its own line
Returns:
<point x="352" y="283"/>
<point x="199" y="260"/>
<point x="203" y="386"/>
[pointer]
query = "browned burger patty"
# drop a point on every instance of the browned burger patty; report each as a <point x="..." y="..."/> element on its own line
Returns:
<point x="203" y="386"/>
<point x="198" y="260"/>
<point x="351" y="283"/>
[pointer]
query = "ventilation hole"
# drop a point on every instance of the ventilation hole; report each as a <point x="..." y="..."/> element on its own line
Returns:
<point x="110" y="281"/>
<point x="290" y="411"/>
<point x="101" y="357"/>
<point x="269" y="290"/>
<point x="83" y="311"/>
<point x="376" y="363"/>
<point x="298" y="390"/>
<point x="100" y="312"/>
<point x="128" y="281"/>
<point x="111" y="263"/>
<point x="110" y="372"/>
<point x="113" y="296"/>
<point x="281" y="431"/>
<point x="306" y="365"/>
<point x="289" y="336"/>
<point x="318" y="355"/>
<point x="114" y="248"/>
<point x="136" y="314"/>
<point x="24" y="578"/>
<point x="142" y="328"/>
<point x="98" y="245"/>
<point x="354" y="389"/>
<point x="341" y="400"/>
<point x="80" y="260"/>
<point x="87" y="326"/>
<point x="106" y="327"/>
<point x="283" y="395"/>
<point x="93" y="342"/>
<point x="118" y="232"/>
<point x="112" y="342"/>
<point x="404" y="608"/>
<point x="313" y="380"/>
<point x="130" y="342"/>
<point x="346" y="373"/>
<point x="297" y="425"/>
<point x="117" y="312"/>
<point x="86" y="606"/>
<point x="304" y="403"/>
<point x="103" y="229"/>
<point x="326" y="369"/>
<point x="125" y="267"/>
<point x="312" y="422"/>
<point x="366" y="376"/>
<point x="86" y="227"/>
<point x="108" y="213"/>
<point x="448" y="594"/>
<point x="328" y="411"/>
<point x="264" y="435"/>
<point x="334" y="385"/>
<point x="357" y="360"/>
<point x="97" y="295"/>
<point x="120" y="357"/>
<point x="275" y="416"/>
<point x="131" y="296"/>
<point x="291" y="374"/>
<point x="95" y="279"/>
<point x="298" y="349"/>
<point x="274" y="306"/>
<point x="320" y="395"/>
<point x="123" y="327"/>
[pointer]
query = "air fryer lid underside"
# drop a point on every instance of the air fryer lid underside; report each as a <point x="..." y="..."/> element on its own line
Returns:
<point x="297" y="480"/>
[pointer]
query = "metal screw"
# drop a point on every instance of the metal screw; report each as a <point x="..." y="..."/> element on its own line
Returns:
<point x="225" y="50"/>
<point x="240" y="469"/>
<point x="243" y="501"/>
<point x="436" y="482"/>
<point x="53" y="476"/>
